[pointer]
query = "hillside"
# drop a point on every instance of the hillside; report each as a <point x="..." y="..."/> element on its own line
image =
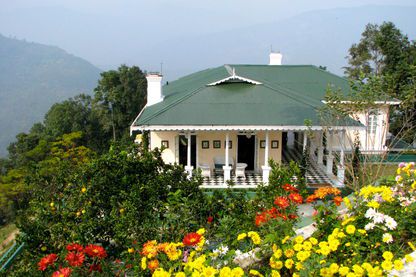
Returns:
<point x="33" y="77"/>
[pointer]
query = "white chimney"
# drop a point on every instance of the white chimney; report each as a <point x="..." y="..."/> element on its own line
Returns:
<point x="154" y="88"/>
<point x="275" y="59"/>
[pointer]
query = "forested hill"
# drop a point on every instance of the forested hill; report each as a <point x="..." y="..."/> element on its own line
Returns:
<point x="32" y="78"/>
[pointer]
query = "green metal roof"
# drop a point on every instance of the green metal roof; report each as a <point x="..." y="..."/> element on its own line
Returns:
<point x="287" y="96"/>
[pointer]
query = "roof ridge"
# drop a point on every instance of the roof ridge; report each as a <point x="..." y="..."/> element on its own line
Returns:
<point x="178" y="101"/>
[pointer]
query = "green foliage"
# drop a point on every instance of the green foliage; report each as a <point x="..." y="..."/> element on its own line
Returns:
<point x="119" y="97"/>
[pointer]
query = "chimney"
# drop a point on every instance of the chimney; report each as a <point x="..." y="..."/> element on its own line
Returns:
<point x="154" y="88"/>
<point x="275" y="59"/>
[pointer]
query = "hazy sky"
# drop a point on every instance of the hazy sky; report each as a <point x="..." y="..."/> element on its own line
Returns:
<point x="87" y="28"/>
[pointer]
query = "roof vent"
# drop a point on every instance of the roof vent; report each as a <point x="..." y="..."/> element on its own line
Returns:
<point x="275" y="58"/>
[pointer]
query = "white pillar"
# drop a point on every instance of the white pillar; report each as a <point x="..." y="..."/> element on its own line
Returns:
<point x="305" y="140"/>
<point x="227" y="168"/>
<point x="329" y="157"/>
<point x="266" y="168"/>
<point x="189" y="167"/>
<point x="341" y="167"/>
<point x="320" y="148"/>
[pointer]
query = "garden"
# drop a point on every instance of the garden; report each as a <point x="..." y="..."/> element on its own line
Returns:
<point x="127" y="213"/>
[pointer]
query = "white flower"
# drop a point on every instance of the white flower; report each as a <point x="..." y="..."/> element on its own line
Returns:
<point x="390" y="222"/>
<point x="369" y="226"/>
<point x="221" y="250"/>
<point x="378" y="218"/>
<point x="387" y="238"/>
<point x="370" y="213"/>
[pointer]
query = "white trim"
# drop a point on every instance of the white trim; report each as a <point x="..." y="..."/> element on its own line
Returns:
<point x="133" y="128"/>
<point x="390" y="102"/>
<point x="234" y="77"/>
<point x="240" y="128"/>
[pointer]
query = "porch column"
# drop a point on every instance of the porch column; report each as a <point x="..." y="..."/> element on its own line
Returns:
<point x="341" y="167"/>
<point x="305" y="141"/>
<point x="189" y="167"/>
<point x="320" y="148"/>
<point x="266" y="168"/>
<point x="329" y="157"/>
<point x="227" y="168"/>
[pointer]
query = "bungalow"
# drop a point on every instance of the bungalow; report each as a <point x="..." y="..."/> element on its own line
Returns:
<point x="232" y="119"/>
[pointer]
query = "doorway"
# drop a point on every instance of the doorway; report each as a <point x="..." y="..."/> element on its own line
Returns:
<point x="183" y="150"/>
<point x="246" y="151"/>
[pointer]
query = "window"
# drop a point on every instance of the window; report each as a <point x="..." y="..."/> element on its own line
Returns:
<point x="372" y="122"/>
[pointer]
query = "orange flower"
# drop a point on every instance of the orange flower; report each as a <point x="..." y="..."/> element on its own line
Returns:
<point x="74" y="247"/>
<point x="289" y="187"/>
<point x="150" y="248"/>
<point x="162" y="246"/>
<point x="296" y="197"/>
<point x="46" y="261"/>
<point x="93" y="250"/>
<point x="338" y="200"/>
<point x="281" y="201"/>
<point x="153" y="264"/>
<point x="191" y="239"/>
<point x="311" y="198"/>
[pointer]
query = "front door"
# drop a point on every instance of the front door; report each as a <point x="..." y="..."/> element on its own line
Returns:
<point x="183" y="150"/>
<point x="246" y="148"/>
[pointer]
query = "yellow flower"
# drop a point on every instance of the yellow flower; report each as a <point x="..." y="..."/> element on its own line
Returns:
<point x="333" y="268"/>
<point x="347" y="203"/>
<point x="180" y="274"/>
<point x="325" y="272"/>
<point x="225" y="271"/>
<point x="341" y="235"/>
<point x="313" y="240"/>
<point x="388" y="256"/>
<point x="237" y="272"/>
<point x="285" y="239"/>
<point x="299" y="266"/>
<point x="144" y="263"/>
<point x="411" y="245"/>
<point x="275" y="263"/>
<point x="275" y="273"/>
<point x="307" y="245"/>
<point x="387" y="265"/>
<point x="160" y="272"/>
<point x="351" y="274"/>
<point x="254" y="237"/>
<point x="121" y="210"/>
<point x="289" y="263"/>
<point x="241" y="236"/>
<point x="209" y="271"/>
<point x="298" y="247"/>
<point x="398" y="265"/>
<point x="373" y="204"/>
<point x="362" y="231"/>
<point x="303" y="255"/>
<point x="254" y="272"/>
<point x="299" y="239"/>
<point x="408" y="258"/>
<point x="358" y="270"/>
<point x="130" y="250"/>
<point x="347" y="220"/>
<point x="201" y="231"/>
<point x="84" y="190"/>
<point x="343" y="270"/>
<point x="278" y="253"/>
<point x="289" y="253"/>
<point x="350" y="229"/>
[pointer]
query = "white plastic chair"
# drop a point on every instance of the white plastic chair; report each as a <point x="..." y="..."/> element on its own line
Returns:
<point x="205" y="170"/>
<point x="240" y="170"/>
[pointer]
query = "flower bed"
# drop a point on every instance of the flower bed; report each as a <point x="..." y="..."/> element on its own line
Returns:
<point x="373" y="237"/>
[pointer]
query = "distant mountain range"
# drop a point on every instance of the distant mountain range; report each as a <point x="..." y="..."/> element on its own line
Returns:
<point x="320" y="37"/>
<point x="32" y="78"/>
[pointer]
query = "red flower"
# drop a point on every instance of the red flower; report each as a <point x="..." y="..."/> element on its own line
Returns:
<point x="62" y="272"/>
<point x="296" y="197"/>
<point x="46" y="261"/>
<point x="210" y="219"/>
<point x="95" y="267"/>
<point x="74" y="247"/>
<point x="289" y="187"/>
<point x="338" y="200"/>
<point x="281" y="201"/>
<point x="293" y="216"/>
<point x="93" y="250"/>
<point x="191" y="239"/>
<point x="75" y="259"/>
<point x="260" y="219"/>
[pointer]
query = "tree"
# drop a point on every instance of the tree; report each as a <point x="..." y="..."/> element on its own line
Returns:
<point x="385" y="52"/>
<point x="119" y="97"/>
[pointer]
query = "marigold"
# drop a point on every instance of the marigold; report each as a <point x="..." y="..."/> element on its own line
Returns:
<point x="93" y="250"/>
<point x="149" y="249"/>
<point x="191" y="239"/>
<point x="350" y="229"/>
<point x="75" y="259"/>
<point x="47" y="261"/>
<point x="153" y="264"/>
<point x="338" y="200"/>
